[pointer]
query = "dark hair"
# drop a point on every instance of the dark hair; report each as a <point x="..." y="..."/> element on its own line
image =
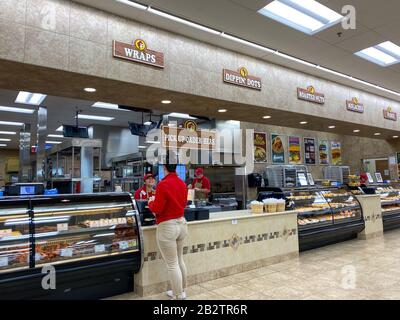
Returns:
<point x="171" y="161"/>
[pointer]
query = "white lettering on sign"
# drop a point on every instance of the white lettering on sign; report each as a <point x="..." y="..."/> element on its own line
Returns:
<point x="234" y="77"/>
<point x="3" y="262"/>
<point x="62" y="227"/>
<point x="146" y="57"/>
<point x="99" y="248"/>
<point x="67" y="252"/>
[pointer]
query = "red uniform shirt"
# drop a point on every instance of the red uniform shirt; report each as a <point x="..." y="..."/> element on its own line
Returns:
<point x="170" y="200"/>
<point x="142" y="194"/>
<point x="205" y="183"/>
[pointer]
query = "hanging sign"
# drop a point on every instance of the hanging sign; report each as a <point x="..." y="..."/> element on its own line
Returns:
<point x="242" y="78"/>
<point x="389" y="114"/>
<point x="355" y="106"/>
<point x="188" y="139"/>
<point x="309" y="151"/>
<point x="260" y="147"/>
<point x="323" y="152"/>
<point x="310" y="95"/>
<point x="278" y="149"/>
<point x="336" y="153"/>
<point x="138" y="52"/>
<point x="294" y="150"/>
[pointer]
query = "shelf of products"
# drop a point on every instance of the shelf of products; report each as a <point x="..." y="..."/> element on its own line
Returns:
<point x="66" y="230"/>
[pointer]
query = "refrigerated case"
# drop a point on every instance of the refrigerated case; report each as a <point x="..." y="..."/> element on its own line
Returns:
<point x="325" y="215"/>
<point x="390" y="203"/>
<point x="91" y="240"/>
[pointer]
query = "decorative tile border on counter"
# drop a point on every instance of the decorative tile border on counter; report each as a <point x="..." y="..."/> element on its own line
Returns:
<point x="372" y="217"/>
<point x="234" y="242"/>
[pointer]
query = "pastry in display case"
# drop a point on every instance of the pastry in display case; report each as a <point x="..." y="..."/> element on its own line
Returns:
<point x="95" y="233"/>
<point x="390" y="203"/>
<point x="344" y="205"/>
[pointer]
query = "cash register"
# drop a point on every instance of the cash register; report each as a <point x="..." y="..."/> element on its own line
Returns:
<point x="147" y="218"/>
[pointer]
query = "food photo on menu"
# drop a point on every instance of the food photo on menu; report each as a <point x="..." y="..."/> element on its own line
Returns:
<point x="169" y="153"/>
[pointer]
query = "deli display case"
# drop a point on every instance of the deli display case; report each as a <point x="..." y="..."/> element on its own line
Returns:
<point x="390" y="203"/>
<point x="325" y="216"/>
<point x="91" y="242"/>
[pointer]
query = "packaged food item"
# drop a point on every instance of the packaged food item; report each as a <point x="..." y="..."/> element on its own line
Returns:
<point x="257" y="207"/>
<point x="280" y="205"/>
<point x="270" y="205"/>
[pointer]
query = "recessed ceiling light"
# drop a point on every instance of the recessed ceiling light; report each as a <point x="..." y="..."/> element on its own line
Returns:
<point x="166" y="101"/>
<point x="306" y="16"/>
<point x="53" y="142"/>
<point x="5" y="139"/>
<point x="104" y="105"/>
<point x="303" y="122"/>
<point x="30" y="98"/>
<point x="3" y="145"/>
<point x="55" y="136"/>
<point x="384" y="54"/>
<point x="16" y="110"/>
<point x="90" y="90"/>
<point x="60" y="129"/>
<point x="180" y="115"/>
<point x="332" y="127"/>
<point x="11" y="123"/>
<point x="267" y="117"/>
<point x="93" y="117"/>
<point x="222" y="110"/>
<point x="395" y="137"/>
<point x="8" y="132"/>
<point x="377" y="134"/>
<point x="356" y="131"/>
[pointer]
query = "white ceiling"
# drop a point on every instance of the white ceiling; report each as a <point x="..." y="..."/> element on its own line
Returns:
<point x="59" y="111"/>
<point x="377" y="21"/>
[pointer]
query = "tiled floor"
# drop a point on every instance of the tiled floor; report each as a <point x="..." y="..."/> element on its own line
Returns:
<point x="350" y="270"/>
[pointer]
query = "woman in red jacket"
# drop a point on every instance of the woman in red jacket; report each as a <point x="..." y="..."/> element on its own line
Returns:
<point x="168" y="205"/>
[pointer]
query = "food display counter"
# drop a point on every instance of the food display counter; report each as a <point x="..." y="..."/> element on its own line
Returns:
<point x="325" y="216"/>
<point x="390" y="203"/>
<point x="91" y="240"/>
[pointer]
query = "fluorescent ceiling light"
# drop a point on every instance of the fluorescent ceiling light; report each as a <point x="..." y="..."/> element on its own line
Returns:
<point x="303" y="122"/>
<point x="3" y="145"/>
<point x="5" y="140"/>
<point x="180" y="115"/>
<point x="92" y="117"/>
<point x="16" y="110"/>
<point x="104" y="105"/>
<point x="8" y="132"/>
<point x="377" y="56"/>
<point x="55" y="136"/>
<point x="60" y="129"/>
<point x="222" y="110"/>
<point x="133" y="4"/>
<point x="183" y="21"/>
<point x="391" y="48"/>
<point x="53" y="142"/>
<point x="267" y="117"/>
<point x="11" y="123"/>
<point x="307" y="16"/>
<point x="294" y="59"/>
<point x="30" y="98"/>
<point x="166" y="101"/>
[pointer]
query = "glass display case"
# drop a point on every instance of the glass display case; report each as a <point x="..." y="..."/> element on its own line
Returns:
<point x="325" y="215"/>
<point x="86" y="235"/>
<point x="390" y="203"/>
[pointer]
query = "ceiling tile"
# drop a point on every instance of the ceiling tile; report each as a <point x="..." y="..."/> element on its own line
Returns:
<point x="361" y="41"/>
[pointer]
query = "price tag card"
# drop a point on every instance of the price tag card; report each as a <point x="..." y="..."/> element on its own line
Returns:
<point x="99" y="248"/>
<point x="68" y="252"/>
<point x="123" y="245"/>
<point x="132" y="243"/>
<point x="38" y="256"/>
<point x="3" y="262"/>
<point x="62" y="227"/>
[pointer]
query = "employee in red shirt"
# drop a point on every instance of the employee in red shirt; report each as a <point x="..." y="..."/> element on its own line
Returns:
<point x="201" y="184"/>
<point x="168" y="206"/>
<point x="147" y="191"/>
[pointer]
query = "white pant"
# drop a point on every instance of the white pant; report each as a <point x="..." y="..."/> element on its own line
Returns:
<point x="170" y="237"/>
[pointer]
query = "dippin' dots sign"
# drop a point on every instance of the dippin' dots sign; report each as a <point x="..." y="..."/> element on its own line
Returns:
<point x="242" y="78"/>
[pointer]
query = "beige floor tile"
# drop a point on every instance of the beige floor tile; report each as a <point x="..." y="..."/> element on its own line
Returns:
<point x="207" y="296"/>
<point x="263" y="271"/>
<point x="235" y="292"/>
<point x="260" y="284"/>
<point x="243" y="276"/>
<point x="217" y="283"/>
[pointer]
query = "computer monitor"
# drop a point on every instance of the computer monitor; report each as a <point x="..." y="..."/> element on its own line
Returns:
<point x="27" y="190"/>
<point x="180" y="171"/>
